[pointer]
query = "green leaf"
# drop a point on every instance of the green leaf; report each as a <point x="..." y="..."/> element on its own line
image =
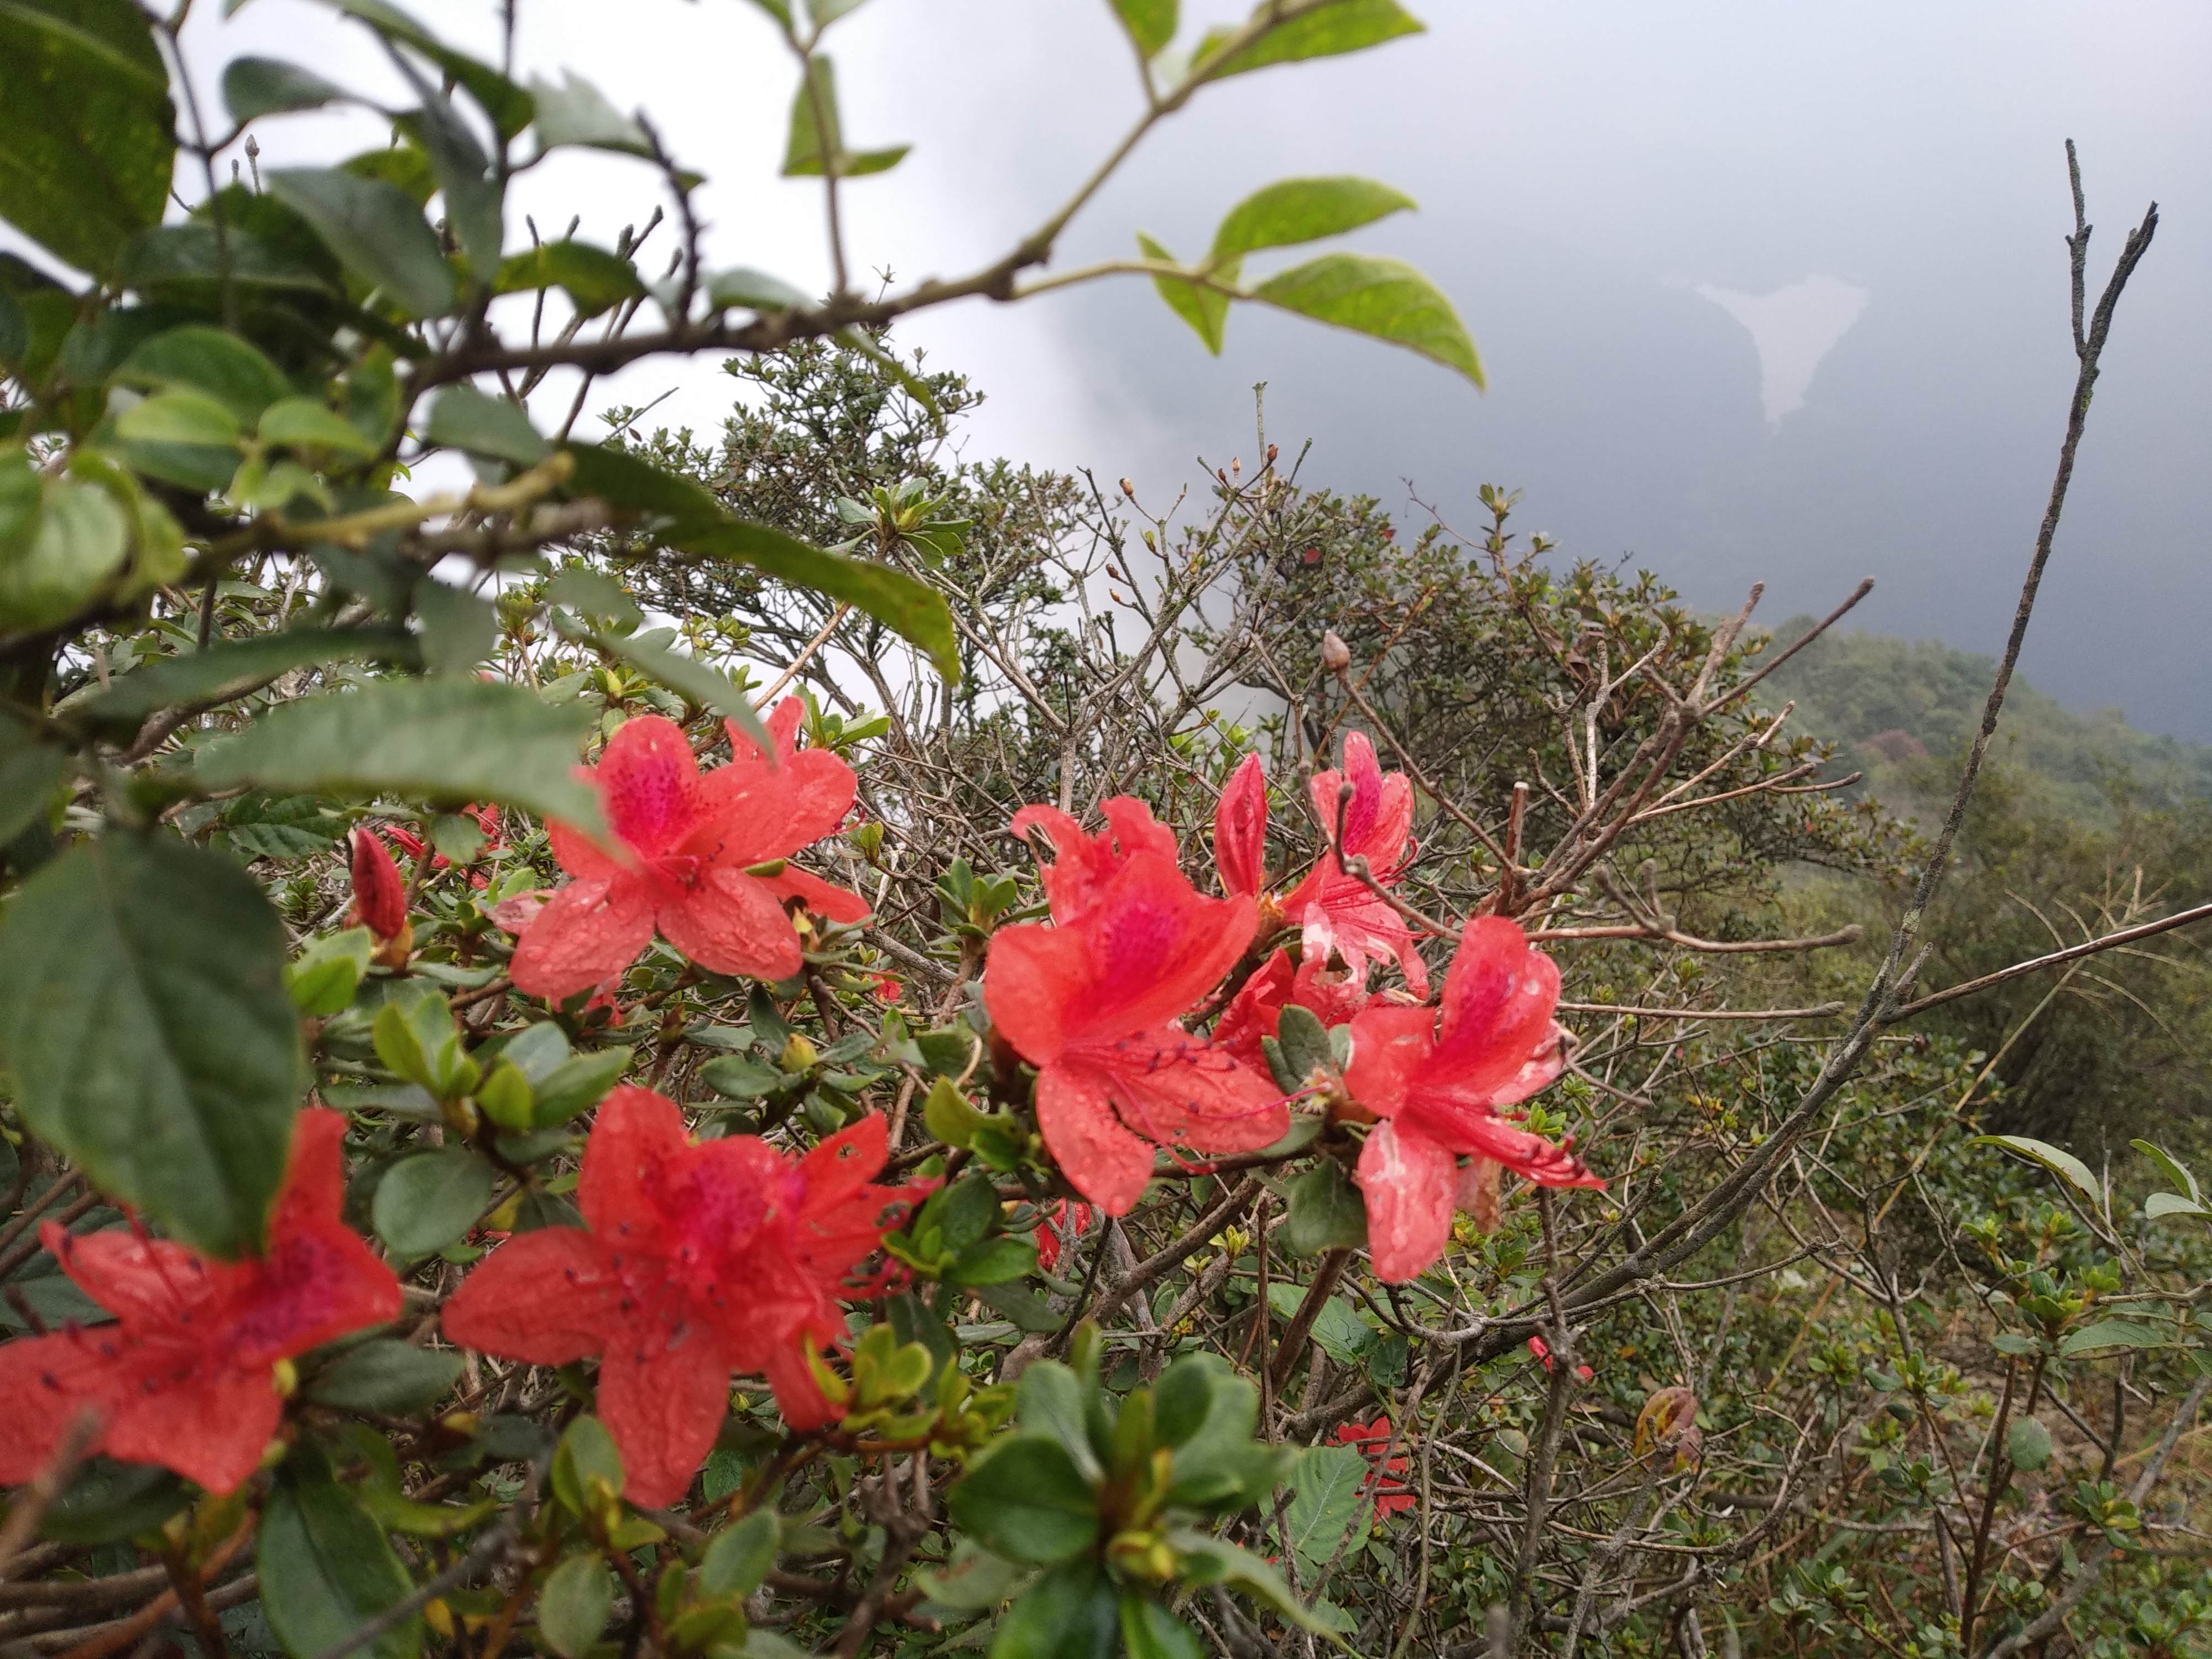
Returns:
<point x="474" y="194"/>
<point x="1208" y="1414"/>
<point x="576" y="112"/>
<point x="179" y="418"/>
<point x="144" y="1022"/>
<point x="754" y="290"/>
<point x="87" y="128"/>
<point x="1198" y="303"/>
<point x="738" y="1557"/>
<point x="61" y="553"/>
<point x="576" y="1605"/>
<point x="697" y="683"/>
<point x="600" y="599"/>
<point x="595" y="280"/>
<point x="1387" y="299"/>
<point x="2060" y="1162"/>
<point x="329" y="971"/>
<point x="2027" y="1443"/>
<point x="376" y="230"/>
<point x="2158" y="1206"/>
<point x="305" y="423"/>
<point x="1150" y="24"/>
<point x="207" y="361"/>
<point x="1326" y="1506"/>
<point x="109" y="1502"/>
<point x="693" y="522"/>
<point x="992" y="1261"/>
<point x="508" y="105"/>
<point x="803" y="153"/>
<point x="576" y="1085"/>
<point x="326" y="1569"/>
<point x="947" y="1114"/>
<point x="973" y="1581"/>
<point x="1072" y="1613"/>
<point x="30" y="772"/>
<point x="1049" y="1401"/>
<point x="201" y="679"/>
<point x="2110" y="1333"/>
<point x="254" y="86"/>
<point x="1149" y="1631"/>
<point x="452" y="741"/>
<point x="1343" y="1334"/>
<point x="586" y="1465"/>
<point x="739" y="1076"/>
<point x="430" y="1200"/>
<point x="459" y="629"/>
<point x="1322" y="1211"/>
<point x="1325" y="31"/>
<point x="1207" y="1561"/>
<point x="1026" y="1499"/>
<point x="1303" y="210"/>
<point x="465" y="418"/>
<point x="2172" y="1168"/>
<point x="388" y="1375"/>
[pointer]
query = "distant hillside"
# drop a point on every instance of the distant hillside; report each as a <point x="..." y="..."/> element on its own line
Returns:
<point x="1886" y="703"/>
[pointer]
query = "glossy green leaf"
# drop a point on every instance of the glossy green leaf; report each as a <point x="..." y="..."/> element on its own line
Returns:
<point x="2158" y="1206"/>
<point x="2060" y="1162"/>
<point x="327" y="1568"/>
<point x="179" y="418"/>
<point x="947" y="1114"/>
<point x="1151" y="23"/>
<point x="323" y="980"/>
<point x="210" y="362"/>
<point x="388" y="1375"/>
<point x="144" y="1022"/>
<point x="376" y="230"/>
<point x="1027" y="1500"/>
<point x="2171" y="1166"/>
<point x="993" y="1261"/>
<point x="430" y="1200"/>
<point x="254" y="86"/>
<point x="586" y="1466"/>
<point x="739" y="1077"/>
<point x="1385" y="299"/>
<point x="304" y="424"/>
<point x="465" y="418"/>
<point x="595" y="280"/>
<point x="87" y="128"/>
<point x="202" y="679"/>
<point x="1070" y="1613"/>
<point x="576" y="1085"/>
<point x="56" y="558"/>
<point x="1049" y="1401"/>
<point x="451" y="741"/>
<point x="2107" y="1334"/>
<point x="1323" y="31"/>
<point x="576" y="1605"/>
<point x="1303" y="210"/>
<point x="1198" y="302"/>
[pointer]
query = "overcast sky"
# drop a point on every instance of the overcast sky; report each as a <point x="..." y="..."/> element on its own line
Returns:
<point x="1763" y="291"/>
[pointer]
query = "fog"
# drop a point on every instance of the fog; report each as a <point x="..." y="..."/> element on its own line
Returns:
<point x="1763" y="292"/>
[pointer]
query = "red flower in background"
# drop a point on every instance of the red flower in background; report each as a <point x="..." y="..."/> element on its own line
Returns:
<point x="1256" y="1010"/>
<point x="185" y="1377"/>
<point x="1542" y="1350"/>
<point x="1386" y="1485"/>
<point x="689" y="839"/>
<point x="1084" y="863"/>
<point x="1091" y="1003"/>
<point x="694" y="1262"/>
<point x="487" y="819"/>
<point x="1337" y="911"/>
<point x="1437" y="1083"/>
<point x="1068" y="1221"/>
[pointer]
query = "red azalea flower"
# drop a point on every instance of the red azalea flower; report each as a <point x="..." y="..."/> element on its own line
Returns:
<point x="1437" y="1084"/>
<point x="1542" y="1350"/>
<point x="185" y="1377"/>
<point x="487" y="819"/>
<point x="1256" y="1010"/>
<point x="1084" y="863"/>
<point x="694" y="1261"/>
<point x="1068" y="1221"/>
<point x="1337" y="911"/>
<point x="1091" y="1003"/>
<point x="1386" y="1486"/>
<point x="380" y="891"/>
<point x="1240" y="829"/>
<point x="690" y="841"/>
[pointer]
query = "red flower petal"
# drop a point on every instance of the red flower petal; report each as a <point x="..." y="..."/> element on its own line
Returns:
<point x="547" y="1298"/>
<point x="1408" y="1181"/>
<point x="1240" y="829"/>
<point x="825" y="899"/>
<point x="380" y="891"/>
<point x="1104" y="1161"/>
<point x="730" y="923"/>
<point x="1256" y="1011"/>
<point x="664" y="1391"/>
<point x="1085" y="864"/>
<point x="586" y="934"/>
<point x="210" y="1424"/>
<point x="648" y="783"/>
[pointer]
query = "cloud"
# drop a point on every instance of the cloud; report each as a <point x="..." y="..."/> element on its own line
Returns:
<point x="1794" y="328"/>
